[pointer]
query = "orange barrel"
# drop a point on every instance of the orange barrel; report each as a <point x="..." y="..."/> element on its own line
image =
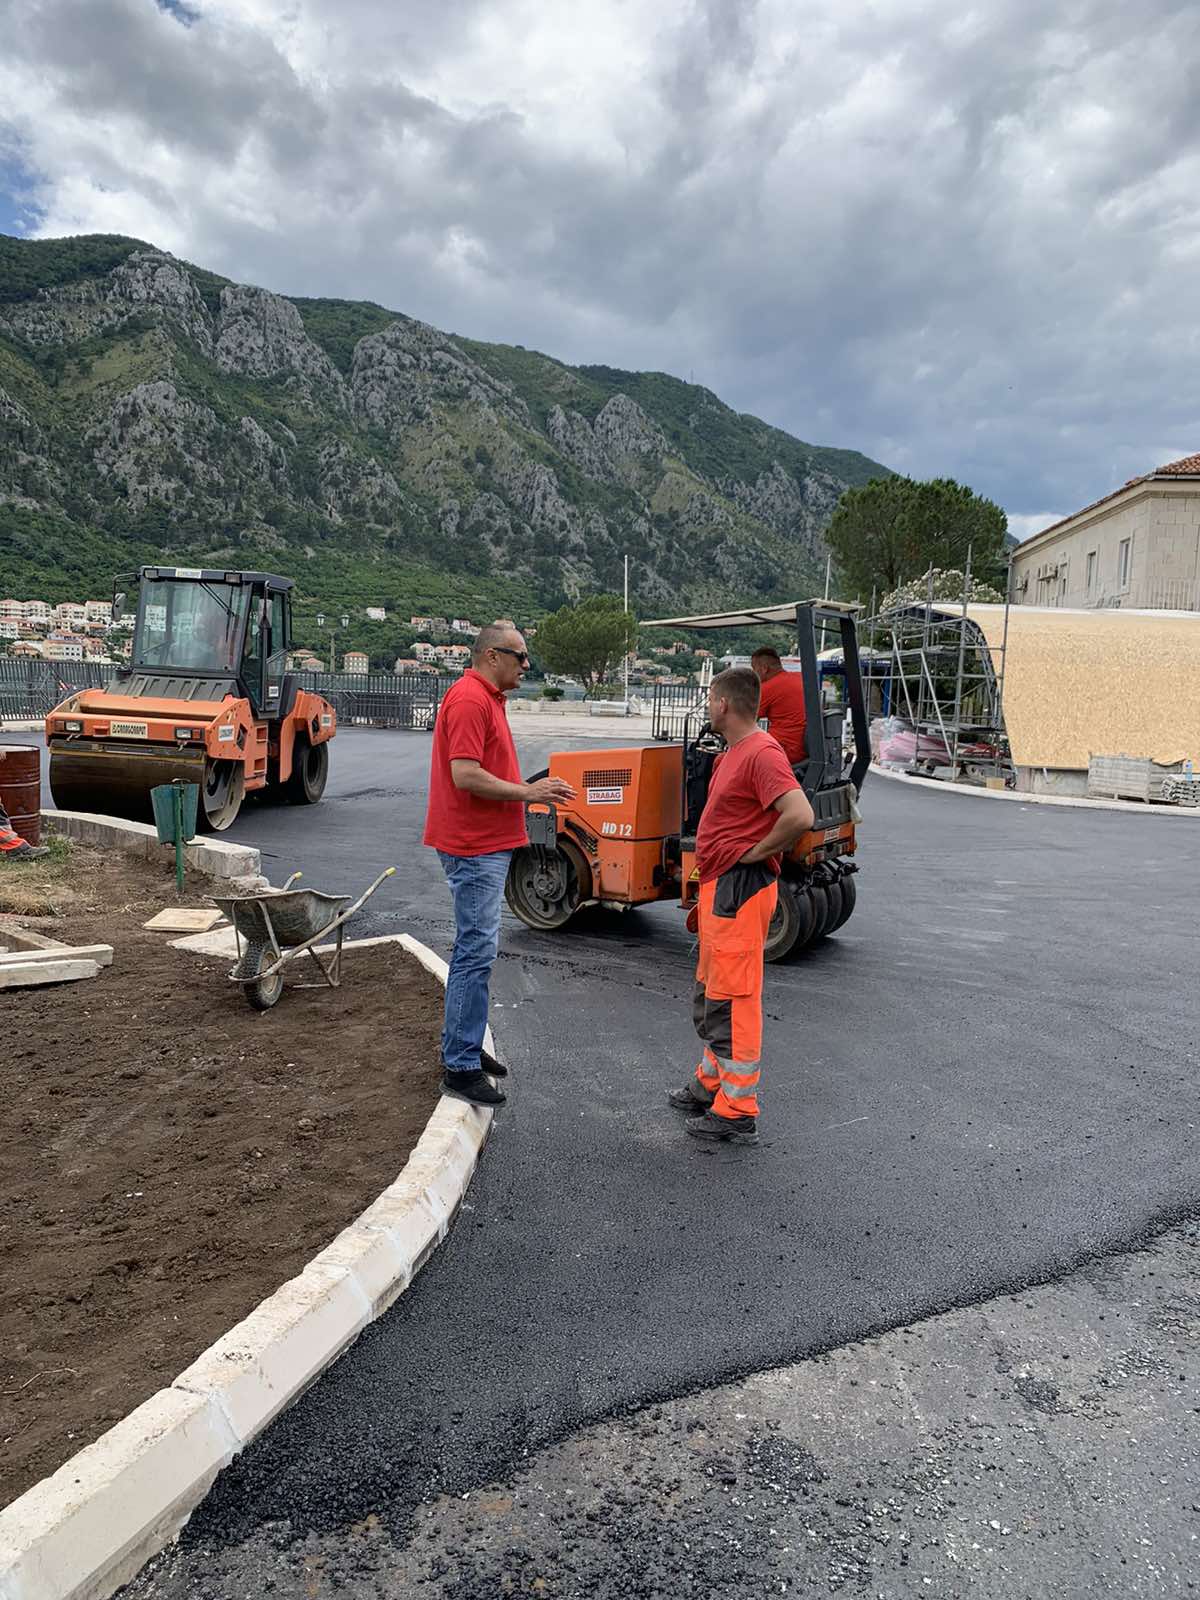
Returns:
<point x="21" y="788"/>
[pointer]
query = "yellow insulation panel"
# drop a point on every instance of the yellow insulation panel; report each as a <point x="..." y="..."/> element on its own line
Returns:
<point x="1084" y="683"/>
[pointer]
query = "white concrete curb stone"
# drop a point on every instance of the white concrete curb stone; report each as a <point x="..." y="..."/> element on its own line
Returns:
<point x="1069" y="801"/>
<point x="215" y="857"/>
<point x="87" y="1529"/>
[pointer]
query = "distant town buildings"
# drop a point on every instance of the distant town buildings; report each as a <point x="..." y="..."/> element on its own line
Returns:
<point x="356" y="661"/>
<point x="376" y="614"/>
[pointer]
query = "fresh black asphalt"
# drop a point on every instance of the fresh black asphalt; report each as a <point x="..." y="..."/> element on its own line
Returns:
<point x="987" y="1077"/>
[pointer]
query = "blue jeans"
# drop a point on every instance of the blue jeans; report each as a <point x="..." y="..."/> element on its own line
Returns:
<point x="477" y="887"/>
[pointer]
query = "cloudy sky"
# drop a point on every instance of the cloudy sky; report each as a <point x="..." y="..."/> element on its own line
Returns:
<point x="962" y="238"/>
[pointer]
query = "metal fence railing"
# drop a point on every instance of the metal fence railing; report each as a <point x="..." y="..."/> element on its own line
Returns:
<point x="671" y="706"/>
<point x="380" y="699"/>
<point x="30" y="689"/>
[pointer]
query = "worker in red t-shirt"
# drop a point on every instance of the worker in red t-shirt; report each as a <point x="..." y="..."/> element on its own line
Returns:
<point x="755" y="810"/>
<point x="781" y="702"/>
<point x="475" y="820"/>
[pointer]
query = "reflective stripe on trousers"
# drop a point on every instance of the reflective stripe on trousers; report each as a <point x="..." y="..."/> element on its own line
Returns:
<point x="735" y="913"/>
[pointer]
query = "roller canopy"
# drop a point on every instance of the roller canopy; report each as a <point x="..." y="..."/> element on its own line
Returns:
<point x="752" y="615"/>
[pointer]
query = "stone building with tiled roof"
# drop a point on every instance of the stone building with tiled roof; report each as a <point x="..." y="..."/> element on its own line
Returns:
<point x="1137" y="548"/>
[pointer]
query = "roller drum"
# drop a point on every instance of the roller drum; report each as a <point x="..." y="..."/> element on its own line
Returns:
<point x="115" y="780"/>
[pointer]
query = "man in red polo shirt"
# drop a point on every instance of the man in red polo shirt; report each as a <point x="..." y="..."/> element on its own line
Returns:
<point x="475" y="820"/>
<point x="781" y="702"/>
<point x="755" y="810"/>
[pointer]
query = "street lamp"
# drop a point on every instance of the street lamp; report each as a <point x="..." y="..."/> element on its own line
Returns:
<point x="345" y="620"/>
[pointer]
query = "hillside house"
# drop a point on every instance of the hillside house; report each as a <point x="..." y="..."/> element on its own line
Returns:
<point x="63" y="647"/>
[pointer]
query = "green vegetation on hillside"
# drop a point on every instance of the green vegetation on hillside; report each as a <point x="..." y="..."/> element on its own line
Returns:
<point x="338" y="325"/>
<point x="729" y="443"/>
<point x="27" y="265"/>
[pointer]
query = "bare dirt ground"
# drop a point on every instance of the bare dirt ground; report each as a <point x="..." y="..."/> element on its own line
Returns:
<point x="169" y="1157"/>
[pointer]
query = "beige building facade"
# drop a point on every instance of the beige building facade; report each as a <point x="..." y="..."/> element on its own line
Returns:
<point x="1137" y="549"/>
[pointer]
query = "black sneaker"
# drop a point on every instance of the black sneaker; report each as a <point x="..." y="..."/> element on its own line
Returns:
<point x="25" y="852"/>
<point x="494" y="1068"/>
<point x="476" y="1088"/>
<point x="742" y="1130"/>
<point x="692" y="1097"/>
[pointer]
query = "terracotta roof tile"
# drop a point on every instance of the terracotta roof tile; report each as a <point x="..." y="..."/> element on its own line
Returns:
<point x="1185" y="467"/>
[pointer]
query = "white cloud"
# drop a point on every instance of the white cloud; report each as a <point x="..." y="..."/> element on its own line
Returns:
<point x="964" y="241"/>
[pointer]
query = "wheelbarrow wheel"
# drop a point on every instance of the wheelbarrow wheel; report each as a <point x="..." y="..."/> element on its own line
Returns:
<point x="262" y="993"/>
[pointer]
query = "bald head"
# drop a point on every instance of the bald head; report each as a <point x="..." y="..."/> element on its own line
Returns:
<point x="499" y="655"/>
<point x="495" y="633"/>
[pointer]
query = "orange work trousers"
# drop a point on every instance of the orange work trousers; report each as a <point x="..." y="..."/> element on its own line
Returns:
<point x="735" y="913"/>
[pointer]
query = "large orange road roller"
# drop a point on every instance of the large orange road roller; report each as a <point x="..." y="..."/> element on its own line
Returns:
<point x="206" y="697"/>
<point x="629" y="836"/>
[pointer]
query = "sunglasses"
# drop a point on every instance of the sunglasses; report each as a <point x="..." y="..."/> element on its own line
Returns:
<point x="517" y="655"/>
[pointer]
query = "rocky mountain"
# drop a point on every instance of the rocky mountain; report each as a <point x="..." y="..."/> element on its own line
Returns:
<point x="151" y="410"/>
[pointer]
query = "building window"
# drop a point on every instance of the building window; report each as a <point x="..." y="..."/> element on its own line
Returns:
<point x="1062" y="582"/>
<point x="1124" y="561"/>
<point x="1091" y="571"/>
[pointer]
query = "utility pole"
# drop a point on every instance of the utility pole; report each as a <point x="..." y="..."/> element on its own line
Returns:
<point x="627" y="641"/>
<point x="828" y="573"/>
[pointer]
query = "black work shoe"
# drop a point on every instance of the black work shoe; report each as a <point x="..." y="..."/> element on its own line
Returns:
<point x="692" y="1097"/>
<point x="26" y="852"/>
<point x="476" y="1088"/>
<point x="494" y="1068"/>
<point x="742" y="1130"/>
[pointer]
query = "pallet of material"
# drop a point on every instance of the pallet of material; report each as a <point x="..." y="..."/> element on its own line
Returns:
<point x="28" y="960"/>
<point x="1126" y="778"/>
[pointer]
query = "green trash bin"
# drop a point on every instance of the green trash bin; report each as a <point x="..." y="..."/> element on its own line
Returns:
<point x="175" y="808"/>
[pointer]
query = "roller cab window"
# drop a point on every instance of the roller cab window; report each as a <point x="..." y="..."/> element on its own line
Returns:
<point x="190" y="625"/>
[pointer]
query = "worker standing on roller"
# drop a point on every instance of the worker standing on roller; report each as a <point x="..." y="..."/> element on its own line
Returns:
<point x="781" y="702"/>
<point x="754" y="811"/>
<point x="475" y="820"/>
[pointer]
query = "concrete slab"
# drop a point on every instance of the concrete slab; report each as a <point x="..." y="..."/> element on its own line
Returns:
<point x="101" y="954"/>
<point x="220" y="942"/>
<point x="183" y="919"/>
<point x="32" y="974"/>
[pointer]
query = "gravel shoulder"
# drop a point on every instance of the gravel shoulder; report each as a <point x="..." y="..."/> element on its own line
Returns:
<point x="1044" y="1443"/>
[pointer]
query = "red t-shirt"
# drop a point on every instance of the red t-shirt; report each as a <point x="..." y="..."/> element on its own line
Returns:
<point x="781" y="702"/>
<point x="746" y="782"/>
<point x="472" y="725"/>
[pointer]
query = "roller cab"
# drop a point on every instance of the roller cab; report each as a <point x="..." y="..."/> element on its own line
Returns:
<point x="206" y="698"/>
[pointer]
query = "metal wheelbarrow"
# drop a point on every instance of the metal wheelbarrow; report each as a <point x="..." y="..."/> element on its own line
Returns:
<point x="277" y="925"/>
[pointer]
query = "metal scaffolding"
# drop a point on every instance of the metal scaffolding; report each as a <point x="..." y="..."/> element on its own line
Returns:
<point x="946" y="684"/>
